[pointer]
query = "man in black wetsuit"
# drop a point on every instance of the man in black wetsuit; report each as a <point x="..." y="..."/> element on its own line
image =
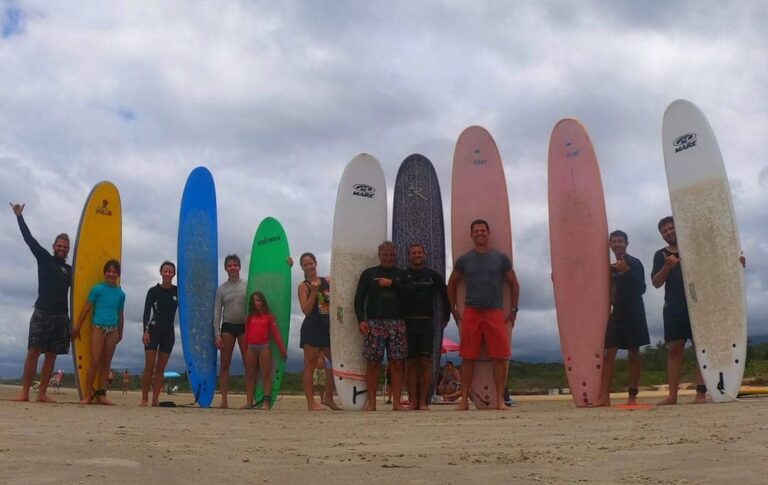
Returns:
<point x="49" y="326"/>
<point x="377" y="306"/>
<point x="627" y="327"/>
<point x="421" y="287"/>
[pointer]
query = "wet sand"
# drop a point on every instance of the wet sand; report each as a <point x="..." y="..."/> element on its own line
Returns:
<point x="543" y="439"/>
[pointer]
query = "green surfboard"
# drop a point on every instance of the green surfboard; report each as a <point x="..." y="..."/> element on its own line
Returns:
<point x="270" y="274"/>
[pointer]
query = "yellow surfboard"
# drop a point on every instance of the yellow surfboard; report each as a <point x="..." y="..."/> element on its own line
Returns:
<point x="99" y="239"/>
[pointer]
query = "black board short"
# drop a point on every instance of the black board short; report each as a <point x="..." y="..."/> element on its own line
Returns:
<point x="677" y="326"/>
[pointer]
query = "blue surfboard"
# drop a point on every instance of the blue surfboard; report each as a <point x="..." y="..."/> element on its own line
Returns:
<point x="417" y="217"/>
<point x="198" y="279"/>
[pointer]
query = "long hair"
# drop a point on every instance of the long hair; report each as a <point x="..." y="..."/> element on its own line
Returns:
<point x="264" y="305"/>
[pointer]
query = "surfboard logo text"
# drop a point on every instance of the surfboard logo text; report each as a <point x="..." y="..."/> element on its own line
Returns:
<point x="103" y="209"/>
<point x="415" y="191"/>
<point x="685" y="142"/>
<point x="480" y="161"/>
<point x="692" y="291"/>
<point x="267" y="240"/>
<point x="363" y="190"/>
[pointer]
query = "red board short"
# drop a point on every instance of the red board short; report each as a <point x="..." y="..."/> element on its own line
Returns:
<point x="487" y="325"/>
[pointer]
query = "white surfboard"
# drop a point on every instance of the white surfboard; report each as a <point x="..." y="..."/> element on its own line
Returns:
<point x="359" y="226"/>
<point x="708" y="241"/>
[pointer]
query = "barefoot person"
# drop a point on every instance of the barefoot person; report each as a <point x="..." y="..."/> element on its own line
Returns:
<point x="315" y="300"/>
<point x="485" y="271"/>
<point x="377" y="306"/>
<point x="126" y="381"/>
<point x="229" y="321"/>
<point x="677" y="323"/>
<point x="49" y="325"/>
<point x="627" y="327"/>
<point x="159" y="334"/>
<point x="258" y="329"/>
<point x="422" y="288"/>
<point x="107" y="301"/>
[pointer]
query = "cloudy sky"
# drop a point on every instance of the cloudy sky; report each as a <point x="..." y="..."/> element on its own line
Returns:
<point x="276" y="97"/>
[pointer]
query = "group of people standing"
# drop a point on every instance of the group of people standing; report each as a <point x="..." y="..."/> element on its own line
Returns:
<point x="395" y="309"/>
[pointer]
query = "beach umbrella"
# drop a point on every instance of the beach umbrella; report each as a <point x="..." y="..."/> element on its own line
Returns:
<point x="448" y="345"/>
<point x="170" y="374"/>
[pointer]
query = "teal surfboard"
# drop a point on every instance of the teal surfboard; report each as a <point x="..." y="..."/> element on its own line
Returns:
<point x="270" y="274"/>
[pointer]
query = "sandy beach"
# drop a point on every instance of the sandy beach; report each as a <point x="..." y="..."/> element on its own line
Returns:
<point x="543" y="439"/>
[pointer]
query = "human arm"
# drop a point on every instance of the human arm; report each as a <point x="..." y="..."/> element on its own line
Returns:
<point x="442" y="296"/>
<point x="120" y="324"/>
<point x="81" y="319"/>
<point x="514" y="294"/>
<point x="278" y="339"/>
<point x="662" y="265"/>
<point x="308" y="296"/>
<point x="148" y="302"/>
<point x="451" y="290"/>
<point x="360" y="295"/>
<point x="217" y="307"/>
<point x="26" y="234"/>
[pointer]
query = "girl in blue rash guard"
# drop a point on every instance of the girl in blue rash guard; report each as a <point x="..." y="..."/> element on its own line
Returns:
<point x="107" y="301"/>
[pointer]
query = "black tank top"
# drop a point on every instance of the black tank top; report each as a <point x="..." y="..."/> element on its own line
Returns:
<point x="320" y="313"/>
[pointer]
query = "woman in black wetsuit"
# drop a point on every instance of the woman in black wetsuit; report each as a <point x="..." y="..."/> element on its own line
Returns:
<point x="159" y="334"/>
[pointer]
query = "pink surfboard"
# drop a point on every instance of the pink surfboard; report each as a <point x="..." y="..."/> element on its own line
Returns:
<point x="479" y="191"/>
<point x="578" y="235"/>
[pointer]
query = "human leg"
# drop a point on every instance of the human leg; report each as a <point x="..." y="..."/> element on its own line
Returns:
<point x="372" y="369"/>
<point x="228" y="341"/>
<point x="150" y="357"/>
<point x="467" y="371"/>
<point x="701" y="388"/>
<point x="97" y="347"/>
<point x="397" y="385"/>
<point x="110" y="344"/>
<point x="251" y="368"/>
<point x="411" y="381"/>
<point x="425" y="381"/>
<point x="609" y="360"/>
<point x="675" y="350"/>
<point x="157" y="383"/>
<point x="635" y="365"/>
<point x="30" y="369"/>
<point x="330" y="385"/>
<point x="265" y="365"/>
<point x="310" y="360"/>
<point x="500" y="367"/>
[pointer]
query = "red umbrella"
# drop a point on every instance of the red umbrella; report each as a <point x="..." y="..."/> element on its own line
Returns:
<point x="448" y="345"/>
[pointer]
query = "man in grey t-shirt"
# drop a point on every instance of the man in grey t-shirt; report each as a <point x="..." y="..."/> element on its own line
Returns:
<point x="485" y="271"/>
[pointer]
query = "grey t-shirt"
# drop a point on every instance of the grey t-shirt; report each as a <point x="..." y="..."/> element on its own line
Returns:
<point x="484" y="274"/>
<point x="229" y="305"/>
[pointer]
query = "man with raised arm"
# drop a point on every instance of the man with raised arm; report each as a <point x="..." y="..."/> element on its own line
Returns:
<point x="49" y="327"/>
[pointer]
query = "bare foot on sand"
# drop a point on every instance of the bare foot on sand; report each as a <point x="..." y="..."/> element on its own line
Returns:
<point x="86" y="400"/>
<point x="21" y="398"/>
<point x="370" y="406"/>
<point x="400" y="407"/>
<point x="315" y="407"/>
<point x="331" y="404"/>
<point x="143" y="403"/>
<point x="45" y="398"/>
<point x="463" y="406"/>
<point x="104" y="401"/>
<point x="700" y="398"/>
<point x="669" y="401"/>
<point x="631" y="401"/>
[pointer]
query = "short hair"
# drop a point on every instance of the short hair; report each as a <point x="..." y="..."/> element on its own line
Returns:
<point x="619" y="233"/>
<point x="386" y="245"/>
<point x="63" y="236"/>
<point x="167" y="263"/>
<point x="307" y="255"/>
<point x="112" y="263"/>
<point x="232" y="257"/>
<point x="417" y="245"/>
<point x="666" y="220"/>
<point x="480" y="221"/>
<point x="449" y="362"/>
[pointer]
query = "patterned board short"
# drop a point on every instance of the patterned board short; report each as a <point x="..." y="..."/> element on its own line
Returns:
<point x="49" y="332"/>
<point x="389" y="335"/>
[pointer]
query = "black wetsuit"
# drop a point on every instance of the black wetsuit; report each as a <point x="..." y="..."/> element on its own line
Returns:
<point x="421" y="289"/>
<point x="627" y="326"/>
<point x="677" y="323"/>
<point x="159" y="314"/>
<point x="382" y="303"/>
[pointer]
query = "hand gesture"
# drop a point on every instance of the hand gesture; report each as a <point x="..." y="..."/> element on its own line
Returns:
<point x="145" y="338"/>
<point x="621" y="266"/>
<point x="314" y="284"/>
<point x="384" y="282"/>
<point x="219" y="343"/>
<point x="364" y="328"/>
<point x="17" y="208"/>
<point x="75" y="334"/>
<point x="671" y="261"/>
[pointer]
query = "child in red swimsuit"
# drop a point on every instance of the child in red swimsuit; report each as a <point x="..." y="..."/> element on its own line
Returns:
<point x="258" y="327"/>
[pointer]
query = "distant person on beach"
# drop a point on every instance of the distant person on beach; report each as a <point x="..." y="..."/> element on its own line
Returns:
<point x="258" y="328"/>
<point x="627" y="327"/>
<point x="449" y="386"/>
<point x="319" y="379"/>
<point x="378" y="311"/>
<point x="422" y="288"/>
<point x="314" y="295"/>
<point x="485" y="271"/>
<point x="49" y="325"/>
<point x="229" y="321"/>
<point x="677" y="324"/>
<point x="107" y="301"/>
<point x="126" y="381"/>
<point x="159" y="334"/>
